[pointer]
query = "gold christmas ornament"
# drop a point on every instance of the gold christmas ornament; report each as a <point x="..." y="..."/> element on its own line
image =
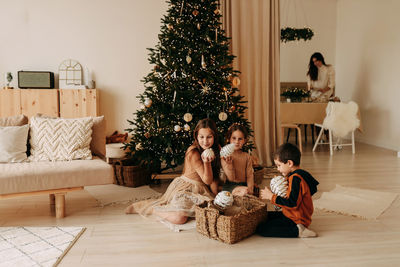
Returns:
<point x="195" y="12"/>
<point x="170" y="26"/>
<point x="177" y="128"/>
<point x="223" y="116"/>
<point x="147" y="135"/>
<point x="217" y="11"/>
<point x="205" y="89"/>
<point x="198" y="26"/>
<point x="236" y="81"/>
<point x="186" y="127"/>
<point x="138" y="146"/>
<point x="187" y="117"/>
<point x="148" y="103"/>
<point x="203" y="63"/>
<point x="188" y="59"/>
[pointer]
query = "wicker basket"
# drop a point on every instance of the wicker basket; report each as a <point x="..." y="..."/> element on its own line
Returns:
<point x="258" y="175"/>
<point x="131" y="176"/>
<point x="230" y="229"/>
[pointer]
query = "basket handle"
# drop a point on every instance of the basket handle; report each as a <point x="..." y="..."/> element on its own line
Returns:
<point x="119" y="174"/>
<point x="214" y="223"/>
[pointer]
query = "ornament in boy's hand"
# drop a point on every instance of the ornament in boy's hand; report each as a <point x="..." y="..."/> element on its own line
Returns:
<point x="279" y="186"/>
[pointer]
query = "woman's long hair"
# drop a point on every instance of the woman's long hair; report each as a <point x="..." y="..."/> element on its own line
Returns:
<point x="312" y="69"/>
<point x="216" y="163"/>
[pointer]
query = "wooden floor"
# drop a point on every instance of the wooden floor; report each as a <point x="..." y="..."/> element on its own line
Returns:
<point x="115" y="239"/>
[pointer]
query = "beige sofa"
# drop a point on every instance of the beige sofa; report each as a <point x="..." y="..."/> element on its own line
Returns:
<point x="53" y="178"/>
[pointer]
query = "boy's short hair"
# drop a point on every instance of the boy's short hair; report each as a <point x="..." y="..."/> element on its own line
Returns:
<point x="287" y="152"/>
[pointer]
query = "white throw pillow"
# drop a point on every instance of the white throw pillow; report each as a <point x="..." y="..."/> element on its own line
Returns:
<point x="60" y="139"/>
<point x="13" y="140"/>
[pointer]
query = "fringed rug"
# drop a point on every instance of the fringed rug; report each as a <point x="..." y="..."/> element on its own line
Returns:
<point x="112" y="194"/>
<point x="363" y="203"/>
<point x="36" y="246"/>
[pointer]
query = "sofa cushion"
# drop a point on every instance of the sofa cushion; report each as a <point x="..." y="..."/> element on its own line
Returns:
<point x="17" y="120"/>
<point x="13" y="140"/>
<point x="98" y="143"/>
<point x="60" y="139"/>
<point x="37" y="176"/>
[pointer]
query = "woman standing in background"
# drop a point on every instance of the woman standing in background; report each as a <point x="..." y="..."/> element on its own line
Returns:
<point x="320" y="78"/>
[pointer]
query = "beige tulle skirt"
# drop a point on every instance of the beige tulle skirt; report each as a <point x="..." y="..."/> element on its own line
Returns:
<point x="182" y="195"/>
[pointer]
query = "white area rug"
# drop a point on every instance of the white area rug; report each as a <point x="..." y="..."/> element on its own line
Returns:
<point x="112" y="194"/>
<point x="367" y="204"/>
<point x="36" y="246"/>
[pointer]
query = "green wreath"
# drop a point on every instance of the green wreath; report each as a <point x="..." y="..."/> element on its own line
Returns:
<point x="293" y="34"/>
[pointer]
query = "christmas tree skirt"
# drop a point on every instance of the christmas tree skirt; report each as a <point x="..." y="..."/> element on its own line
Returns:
<point x="112" y="194"/>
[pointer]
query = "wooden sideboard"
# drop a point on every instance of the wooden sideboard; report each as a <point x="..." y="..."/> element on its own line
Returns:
<point x="66" y="103"/>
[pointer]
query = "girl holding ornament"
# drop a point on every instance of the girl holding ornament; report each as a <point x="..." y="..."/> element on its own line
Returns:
<point x="237" y="164"/>
<point x="201" y="169"/>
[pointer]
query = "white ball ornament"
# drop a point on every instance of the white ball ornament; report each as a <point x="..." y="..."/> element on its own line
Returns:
<point x="227" y="150"/>
<point x="223" y="116"/>
<point x="186" y="127"/>
<point x="148" y="103"/>
<point x="279" y="186"/>
<point x="187" y="117"/>
<point x="223" y="199"/>
<point x="177" y="128"/>
<point x="208" y="153"/>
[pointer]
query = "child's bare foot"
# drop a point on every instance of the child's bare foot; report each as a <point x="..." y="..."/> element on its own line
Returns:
<point x="130" y="210"/>
<point x="305" y="232"/>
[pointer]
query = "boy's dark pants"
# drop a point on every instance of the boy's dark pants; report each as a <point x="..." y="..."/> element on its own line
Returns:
<point x="277" y="225"/>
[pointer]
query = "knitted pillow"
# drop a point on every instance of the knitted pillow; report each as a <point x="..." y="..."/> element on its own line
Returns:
<point x="60" y="139"/>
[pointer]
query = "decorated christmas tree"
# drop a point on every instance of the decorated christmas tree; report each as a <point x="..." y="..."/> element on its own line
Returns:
<point x="192" y="79"/>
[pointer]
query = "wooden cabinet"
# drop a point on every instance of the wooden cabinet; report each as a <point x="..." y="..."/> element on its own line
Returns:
<point x="79" y="103"/>
<point x="67" y="103"/>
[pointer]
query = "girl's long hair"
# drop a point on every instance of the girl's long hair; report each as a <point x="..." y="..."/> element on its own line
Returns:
<point x="312" y="69"/>
<point x="216" y="163"/>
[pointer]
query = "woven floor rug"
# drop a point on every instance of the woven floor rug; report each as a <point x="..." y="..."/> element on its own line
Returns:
<point x="36" y="246"/>
<point x="363" y="203"/>
<point x="112" y="194"/>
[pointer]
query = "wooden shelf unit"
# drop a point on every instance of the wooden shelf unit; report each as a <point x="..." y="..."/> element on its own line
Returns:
<point x="66" y="103"/>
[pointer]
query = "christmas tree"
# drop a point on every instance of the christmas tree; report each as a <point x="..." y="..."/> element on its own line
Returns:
<point x="192" y="79"/>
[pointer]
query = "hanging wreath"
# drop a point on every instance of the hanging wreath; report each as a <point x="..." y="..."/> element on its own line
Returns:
<point x="294" y="34"/>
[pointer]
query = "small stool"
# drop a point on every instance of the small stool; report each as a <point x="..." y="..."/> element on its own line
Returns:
<point x="293" y="126"/>
<point x="114" y="151"/>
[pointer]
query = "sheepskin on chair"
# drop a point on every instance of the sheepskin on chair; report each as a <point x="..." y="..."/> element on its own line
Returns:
<point x="341" y="118"/>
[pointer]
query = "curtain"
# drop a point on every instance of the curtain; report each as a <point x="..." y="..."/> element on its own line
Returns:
<point x="254" y="28"/>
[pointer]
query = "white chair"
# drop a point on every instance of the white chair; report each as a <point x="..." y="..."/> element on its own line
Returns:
<point x="341" y="119"/>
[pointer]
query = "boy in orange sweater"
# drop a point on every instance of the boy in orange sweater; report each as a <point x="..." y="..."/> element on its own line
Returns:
<point x="297" y="206"/>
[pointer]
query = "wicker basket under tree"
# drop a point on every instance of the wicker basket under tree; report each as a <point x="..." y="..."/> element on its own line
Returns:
<point x="129" y="174"/>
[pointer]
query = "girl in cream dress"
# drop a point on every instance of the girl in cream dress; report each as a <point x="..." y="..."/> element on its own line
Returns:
<point x="201" y="170"/>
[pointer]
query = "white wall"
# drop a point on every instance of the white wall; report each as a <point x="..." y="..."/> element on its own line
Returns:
<point x="319" y="15"/>
<point x="108" y="37"/>
<point x="367" y="66"/>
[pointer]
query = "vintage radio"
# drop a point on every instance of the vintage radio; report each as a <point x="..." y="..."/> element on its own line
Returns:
<point x="36" y="79"/>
